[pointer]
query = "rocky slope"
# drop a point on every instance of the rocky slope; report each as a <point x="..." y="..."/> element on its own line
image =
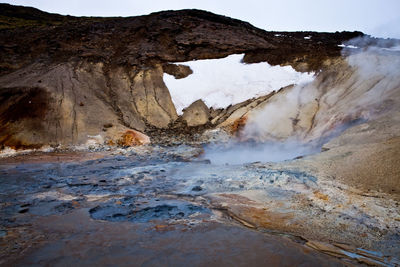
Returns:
<point x="67" y="79"/>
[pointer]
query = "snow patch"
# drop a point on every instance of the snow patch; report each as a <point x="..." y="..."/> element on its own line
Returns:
<point x="307" y="37"/>
<point x="226" y="81"/>
<point x="348" y="46"/>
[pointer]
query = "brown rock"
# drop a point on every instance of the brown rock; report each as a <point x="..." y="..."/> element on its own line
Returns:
<point x="238" y="125"/>
<point x="151" y="97"/>
<point x="178" y="71"/>
<point x="162" y="37"/>
<point x="196" y="114"/>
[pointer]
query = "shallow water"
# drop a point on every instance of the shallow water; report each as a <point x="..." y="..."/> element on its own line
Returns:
<point x="77" y="240"/>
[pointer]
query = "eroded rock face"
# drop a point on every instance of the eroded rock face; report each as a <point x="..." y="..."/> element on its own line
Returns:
<point x="196" y="114"/>
<point x="68" y="103"/>
<point x="19" y="108"/>
<point x="152" y="99"/>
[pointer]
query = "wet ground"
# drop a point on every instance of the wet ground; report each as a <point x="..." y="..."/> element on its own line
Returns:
<point x="160" y="206"/>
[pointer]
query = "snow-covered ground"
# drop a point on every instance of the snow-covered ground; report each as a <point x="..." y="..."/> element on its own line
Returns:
<point x="222" y="82"/>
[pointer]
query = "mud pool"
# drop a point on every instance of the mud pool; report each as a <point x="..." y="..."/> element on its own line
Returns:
<point x="156" y="206"/>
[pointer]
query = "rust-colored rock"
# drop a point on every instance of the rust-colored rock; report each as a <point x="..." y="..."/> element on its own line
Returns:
<point x="133" y="138"/>
<point x="238" y="125"/>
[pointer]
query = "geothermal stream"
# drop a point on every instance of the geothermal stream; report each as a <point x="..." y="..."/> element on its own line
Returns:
<point x="230" y="203"/>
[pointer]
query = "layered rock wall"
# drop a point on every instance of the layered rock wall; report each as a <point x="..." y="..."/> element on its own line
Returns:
<point x="66" y="103"/>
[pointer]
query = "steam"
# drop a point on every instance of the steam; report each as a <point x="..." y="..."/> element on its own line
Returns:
<point x="297" y="121"/>
<point x="367" y="42"/>
<point x="278" y="118"/>
<point x="377" y="65"/>
<point x="236" y="152"/>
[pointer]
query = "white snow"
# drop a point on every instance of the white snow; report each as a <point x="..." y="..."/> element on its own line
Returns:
<point x="307" y="37"/>
<point x="222" y="82"/>
<point x="347" y="46"/>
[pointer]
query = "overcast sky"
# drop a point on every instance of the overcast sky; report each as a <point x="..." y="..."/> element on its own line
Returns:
<point x="376" y="17"/>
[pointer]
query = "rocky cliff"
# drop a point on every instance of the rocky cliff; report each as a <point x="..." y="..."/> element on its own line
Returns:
<point x="65" y="80"/>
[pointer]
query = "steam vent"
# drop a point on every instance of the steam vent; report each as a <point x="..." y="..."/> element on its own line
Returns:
<point x="187" y="138"/>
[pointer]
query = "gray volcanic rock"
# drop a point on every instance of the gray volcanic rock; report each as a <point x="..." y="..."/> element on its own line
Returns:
<point x="196" y="114"/>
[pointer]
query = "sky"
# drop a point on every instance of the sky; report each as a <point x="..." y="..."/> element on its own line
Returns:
<point x="380" y="18"/>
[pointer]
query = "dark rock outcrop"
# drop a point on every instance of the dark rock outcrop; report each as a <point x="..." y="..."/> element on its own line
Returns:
<point x="168" y="36"/>
<point x="177" y="70"/>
